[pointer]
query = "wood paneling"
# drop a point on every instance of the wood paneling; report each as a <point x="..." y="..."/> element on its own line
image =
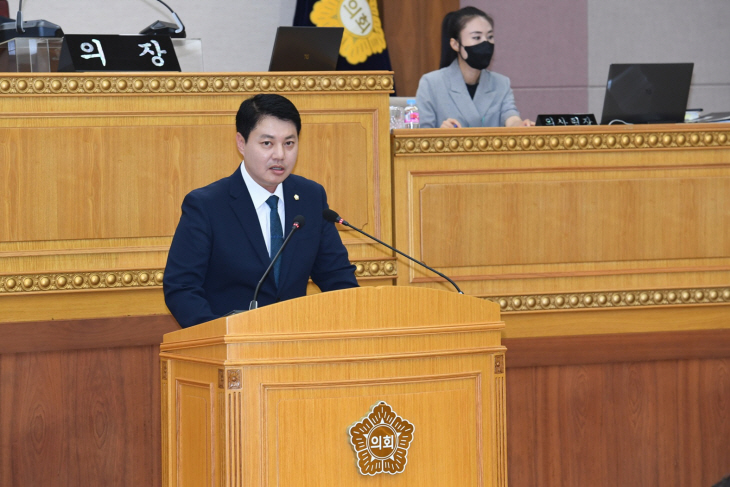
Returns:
<point x="614" y="348"/>
<point x="615" y="209"/>
<point x="107" y="190"/>
<point x="87" y="417"/>
<point x="629" y="218"/>
<point x="309" y="411"/>
<point x="64" y="306"/>
<point x="624" y="321"/>
<point x="195" y="455"/>
<point x="45" y="336"/>
<point x="79" y="402"/>
<point x="544" y="210"/>
<point x="662" y="423"/>
<point x="345" y="135"/>
<point x="101" y="172"/>
<point x="413" y="33"/>
<point x="595" y="410"/>
<point x="630" y="409"/>
<point x="604" y="242"/>
<point x="95" y="169"/>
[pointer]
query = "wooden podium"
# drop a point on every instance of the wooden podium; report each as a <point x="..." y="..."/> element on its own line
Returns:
<point x="268" y="397"/>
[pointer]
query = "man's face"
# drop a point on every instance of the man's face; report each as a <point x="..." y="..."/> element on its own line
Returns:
<point x="270" y="153"/>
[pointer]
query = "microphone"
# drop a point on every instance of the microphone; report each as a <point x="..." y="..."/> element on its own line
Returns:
<point x="298" y="223"/>
<point x="32" y="28"/>
<point x="160" y="28"/>
<point x="332" y="216"/>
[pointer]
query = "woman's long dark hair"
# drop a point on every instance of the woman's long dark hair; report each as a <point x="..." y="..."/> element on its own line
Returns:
<point x="451" y="28"/>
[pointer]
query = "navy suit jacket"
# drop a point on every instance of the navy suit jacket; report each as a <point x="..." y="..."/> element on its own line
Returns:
<point x="218" y="253"/>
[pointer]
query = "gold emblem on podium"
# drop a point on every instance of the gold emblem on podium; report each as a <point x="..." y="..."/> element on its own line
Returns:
<point x="381" y="441"/>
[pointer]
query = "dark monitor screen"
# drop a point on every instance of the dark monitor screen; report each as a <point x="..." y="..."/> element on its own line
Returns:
<point x="306" y="49"/>
<point x="647" y="93"/>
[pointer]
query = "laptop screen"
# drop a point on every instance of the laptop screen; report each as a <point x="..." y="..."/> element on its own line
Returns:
<point x="306" y="49"/>
<point x="647" y="93"/>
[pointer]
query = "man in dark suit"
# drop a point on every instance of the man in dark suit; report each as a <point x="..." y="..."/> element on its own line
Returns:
<point x="230" y="229"/>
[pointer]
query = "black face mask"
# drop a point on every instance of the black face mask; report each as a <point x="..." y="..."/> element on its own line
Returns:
<point x="480" y="55"/>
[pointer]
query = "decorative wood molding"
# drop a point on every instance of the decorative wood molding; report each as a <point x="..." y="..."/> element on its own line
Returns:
<point x="333" y="359"/>
<point x="220" y="404"/>
<point x="500" y="401"/>
<point x="617" y="348"/>
<point x="439" y="144"/>
<point x="75" y="281"/>
<point x="266" y="388"/>
<point x="376" y="268"/>
<point x="89" y="281"/>
<point x="100" y="250"/>
<point x="613" y="299"/>
<point x="234" y="379"/>
<point x="186" y="83"/>
<point x="78" y="281"/>
<point x="255" y="338"/>
<point x="234" y="411"/>
<point x="576" y="273"/>
<point x="499" y="364"/>
<point x="164" y="420"/>
<point x="63" y="335"/>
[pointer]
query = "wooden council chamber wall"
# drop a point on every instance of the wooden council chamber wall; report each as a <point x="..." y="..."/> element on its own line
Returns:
<point x="607" y="249"/>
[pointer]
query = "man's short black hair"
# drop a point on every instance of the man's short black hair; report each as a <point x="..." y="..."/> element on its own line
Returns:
<point x="253" y="109"/>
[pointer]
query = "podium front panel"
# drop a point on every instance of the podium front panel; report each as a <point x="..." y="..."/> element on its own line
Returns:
<point x="272" y="408"/>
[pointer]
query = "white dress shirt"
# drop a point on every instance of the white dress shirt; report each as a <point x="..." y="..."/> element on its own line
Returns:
<point x="259" y="195"/>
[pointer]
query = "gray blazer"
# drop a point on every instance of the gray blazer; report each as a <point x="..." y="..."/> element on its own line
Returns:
<point x="442" y="94"/>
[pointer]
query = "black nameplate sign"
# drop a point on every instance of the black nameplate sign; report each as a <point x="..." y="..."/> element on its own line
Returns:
<point x="566" y="120"/>
<point x="117" y="53"/>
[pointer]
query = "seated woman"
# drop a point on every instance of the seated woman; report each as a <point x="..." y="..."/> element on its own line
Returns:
<point x="463" y="93"/>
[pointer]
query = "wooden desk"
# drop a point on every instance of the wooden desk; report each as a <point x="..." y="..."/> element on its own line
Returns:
<point x="608" y="251"/>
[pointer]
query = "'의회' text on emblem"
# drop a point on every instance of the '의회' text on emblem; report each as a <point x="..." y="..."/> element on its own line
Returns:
<point x="381" y="441"/>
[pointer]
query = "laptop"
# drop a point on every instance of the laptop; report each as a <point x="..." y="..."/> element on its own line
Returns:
<point x="647" y="93"/>
<point x="306" y="48"/>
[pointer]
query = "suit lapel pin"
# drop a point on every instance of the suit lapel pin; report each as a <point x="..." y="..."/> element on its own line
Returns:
<point x="296" y="197"/>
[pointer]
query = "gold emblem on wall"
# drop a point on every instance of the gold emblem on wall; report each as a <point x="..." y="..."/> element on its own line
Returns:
<point x="381" y="441"/>
<point x="363" y="35"/>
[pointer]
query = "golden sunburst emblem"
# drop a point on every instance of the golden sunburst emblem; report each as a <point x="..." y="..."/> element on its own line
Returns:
<point x="381" y="441"/>
<point x="363" y="34"/>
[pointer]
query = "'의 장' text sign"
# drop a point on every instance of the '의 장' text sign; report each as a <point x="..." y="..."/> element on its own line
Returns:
<point x="117" y="53"/>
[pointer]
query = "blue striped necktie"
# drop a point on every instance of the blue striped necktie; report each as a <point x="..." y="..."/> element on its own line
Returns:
<point x="277" y="234"/>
